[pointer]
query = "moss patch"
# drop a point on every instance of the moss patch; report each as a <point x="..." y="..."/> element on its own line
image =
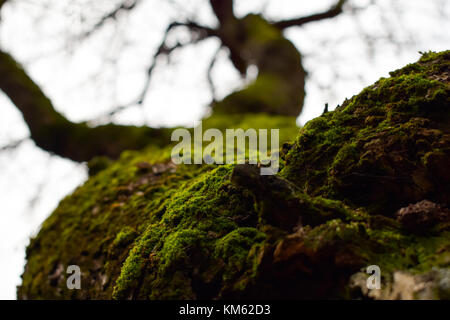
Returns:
<point x="373" y="150"/>
<point x="144" y="228"/>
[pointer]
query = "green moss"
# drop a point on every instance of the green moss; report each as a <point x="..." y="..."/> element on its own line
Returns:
<point x="279" y="86"/>
<point x="259" y="30"/>
<point x="144" y="228"/>
<point x="124" y="237"/>
<point x="235" y="250"/>
<point x="122" y="199"/>
<point x="188" y="229"/>
<point x="266" y="94"/>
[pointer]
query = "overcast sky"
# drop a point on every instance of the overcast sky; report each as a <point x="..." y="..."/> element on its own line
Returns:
<point x="87" y="79"/>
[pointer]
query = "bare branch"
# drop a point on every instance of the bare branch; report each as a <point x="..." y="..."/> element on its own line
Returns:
<point x="198" y="32"/>
<point x="330" y="13"/>
<point x="2" y="2"/>
<point x="212" y="88"/>
<point x="51" y="131"/>
<point x="223" y="9"/>
<point x="13" y="145"/>
<point x="125" y="6"/>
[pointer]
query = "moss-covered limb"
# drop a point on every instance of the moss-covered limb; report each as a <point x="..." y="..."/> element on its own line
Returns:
<point x="351" y="194"/>
<point x="192" y="223"/>
<point x="119" y="203"/>
<point x="52" y="132"/>
<point x="122" y="199"/>
<point x="279" y="87"/>
<point x="208" y="236"/>
<point x="286" y="125"/>
<point x="252" y="40"/>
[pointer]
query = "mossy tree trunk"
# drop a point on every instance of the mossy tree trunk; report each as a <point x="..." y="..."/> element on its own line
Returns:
<point x="367" y="184"/>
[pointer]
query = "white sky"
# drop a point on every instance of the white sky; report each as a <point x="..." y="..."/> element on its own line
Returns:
<point x="33" y="182"/>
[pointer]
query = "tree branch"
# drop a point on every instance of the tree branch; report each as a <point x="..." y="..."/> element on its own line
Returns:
<point x="13" y="145"/>
<point x="223" y="9"/>
<point x="212" y="87"/>
<point x="2" y="2"/>
<point x="198" y="32"/>
<point x="125" y="6"/>
<point x="330" y="13"/>
<point x="52" y="132"/>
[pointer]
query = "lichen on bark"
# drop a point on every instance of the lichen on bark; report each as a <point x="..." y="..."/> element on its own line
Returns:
<point x="355" y="185"/>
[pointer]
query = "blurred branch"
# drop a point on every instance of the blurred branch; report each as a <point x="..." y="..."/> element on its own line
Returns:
<point x="2" y="2"/>
<point x="13" y="145"/>
<point x="40" y="188"/>
<point x="330" y="13"/>
<point x="52" y="132"/>
<point x="212" y="87"/>
<point x="125" y="6"/>
<point x="223" y="9"/>
<point x="198" y="33"/>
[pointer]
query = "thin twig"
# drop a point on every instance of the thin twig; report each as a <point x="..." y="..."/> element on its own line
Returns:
<point x="125" y="6"/>
<point x="330" y="13"/>
<point x="198" y="32"/>
<point x="13" y="145"/>
<point x="212" y="88"/>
